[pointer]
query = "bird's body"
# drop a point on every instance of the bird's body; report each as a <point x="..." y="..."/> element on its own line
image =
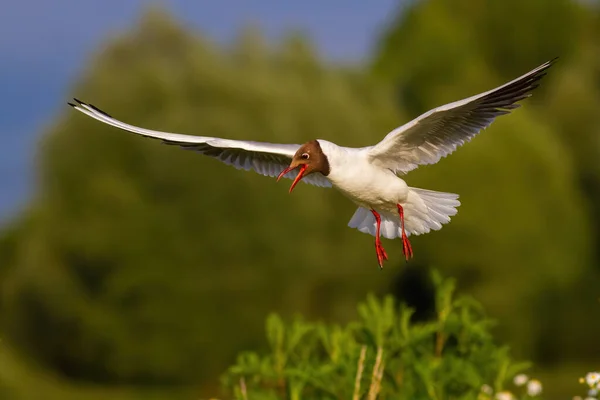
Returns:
<point x="381" y="194"/>
<point x="368" y="176"/>
<point x="367" y="185"/>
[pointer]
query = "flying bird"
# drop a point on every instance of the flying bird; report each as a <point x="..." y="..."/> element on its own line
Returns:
<point x="368" y="176"/>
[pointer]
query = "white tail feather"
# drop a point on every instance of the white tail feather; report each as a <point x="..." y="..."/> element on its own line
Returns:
<point x="424" y="210"/>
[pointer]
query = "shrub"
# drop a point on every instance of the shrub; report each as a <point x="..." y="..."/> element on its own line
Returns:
<point x="382" y="355"/>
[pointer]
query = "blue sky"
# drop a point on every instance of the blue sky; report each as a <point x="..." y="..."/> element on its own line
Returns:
<point x="44" y="44"/>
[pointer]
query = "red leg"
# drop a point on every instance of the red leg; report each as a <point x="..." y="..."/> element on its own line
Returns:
<point x="381" y="254"/>
<point x="406" y="247"/>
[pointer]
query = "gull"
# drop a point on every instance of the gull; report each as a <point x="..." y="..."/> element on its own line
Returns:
<point x="368" y="176"/>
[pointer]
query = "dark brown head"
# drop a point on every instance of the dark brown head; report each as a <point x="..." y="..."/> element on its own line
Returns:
<point x="309" y="158"/>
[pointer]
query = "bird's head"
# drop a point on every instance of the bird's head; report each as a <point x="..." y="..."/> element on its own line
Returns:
<point x="309" y="159"/>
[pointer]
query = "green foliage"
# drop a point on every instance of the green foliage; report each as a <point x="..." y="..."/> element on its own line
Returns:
<point x="382" y="355"/>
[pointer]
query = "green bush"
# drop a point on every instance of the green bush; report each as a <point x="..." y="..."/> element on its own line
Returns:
<point x="382" y="355"/>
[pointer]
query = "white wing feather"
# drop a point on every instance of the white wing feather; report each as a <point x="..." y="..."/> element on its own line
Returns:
<point x="438" y="132"/>
<point x="267" y="159"/>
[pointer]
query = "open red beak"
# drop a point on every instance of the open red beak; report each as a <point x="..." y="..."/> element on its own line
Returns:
<point x="291" y="168"/>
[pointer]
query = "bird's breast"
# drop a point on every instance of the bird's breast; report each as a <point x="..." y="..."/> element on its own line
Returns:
<point x="368" y="185"/>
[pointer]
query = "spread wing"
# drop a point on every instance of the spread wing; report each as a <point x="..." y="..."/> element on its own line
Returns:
<point x="438" y="132"/>
<point x="267" y="159"/>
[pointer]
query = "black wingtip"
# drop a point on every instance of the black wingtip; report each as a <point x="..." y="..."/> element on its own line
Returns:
<point x="81" y="103"/>
<point x="71" y="104"/>
<point x="552" y="61"/>
<point x="99" y="110"/>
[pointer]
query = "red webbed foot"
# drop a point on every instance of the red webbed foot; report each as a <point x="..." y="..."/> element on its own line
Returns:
<point x="381" y="254"/>
<point x="406" y="247"/>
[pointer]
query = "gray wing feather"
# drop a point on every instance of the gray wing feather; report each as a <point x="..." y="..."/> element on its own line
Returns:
<point x="438" y="132"/>
<point x="267" y="159"/>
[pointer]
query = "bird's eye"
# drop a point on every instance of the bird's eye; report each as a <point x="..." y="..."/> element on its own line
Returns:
<point x="305" y="156"/>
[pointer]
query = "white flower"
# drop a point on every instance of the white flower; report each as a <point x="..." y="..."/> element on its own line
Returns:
<point x="520" y="379"/>
<point x="592" y="392"/>
<point x="504" y="396"/>
<point x="592" y="378"/>
<point x="487" y="389"/>
<point x="534" y="387"/>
